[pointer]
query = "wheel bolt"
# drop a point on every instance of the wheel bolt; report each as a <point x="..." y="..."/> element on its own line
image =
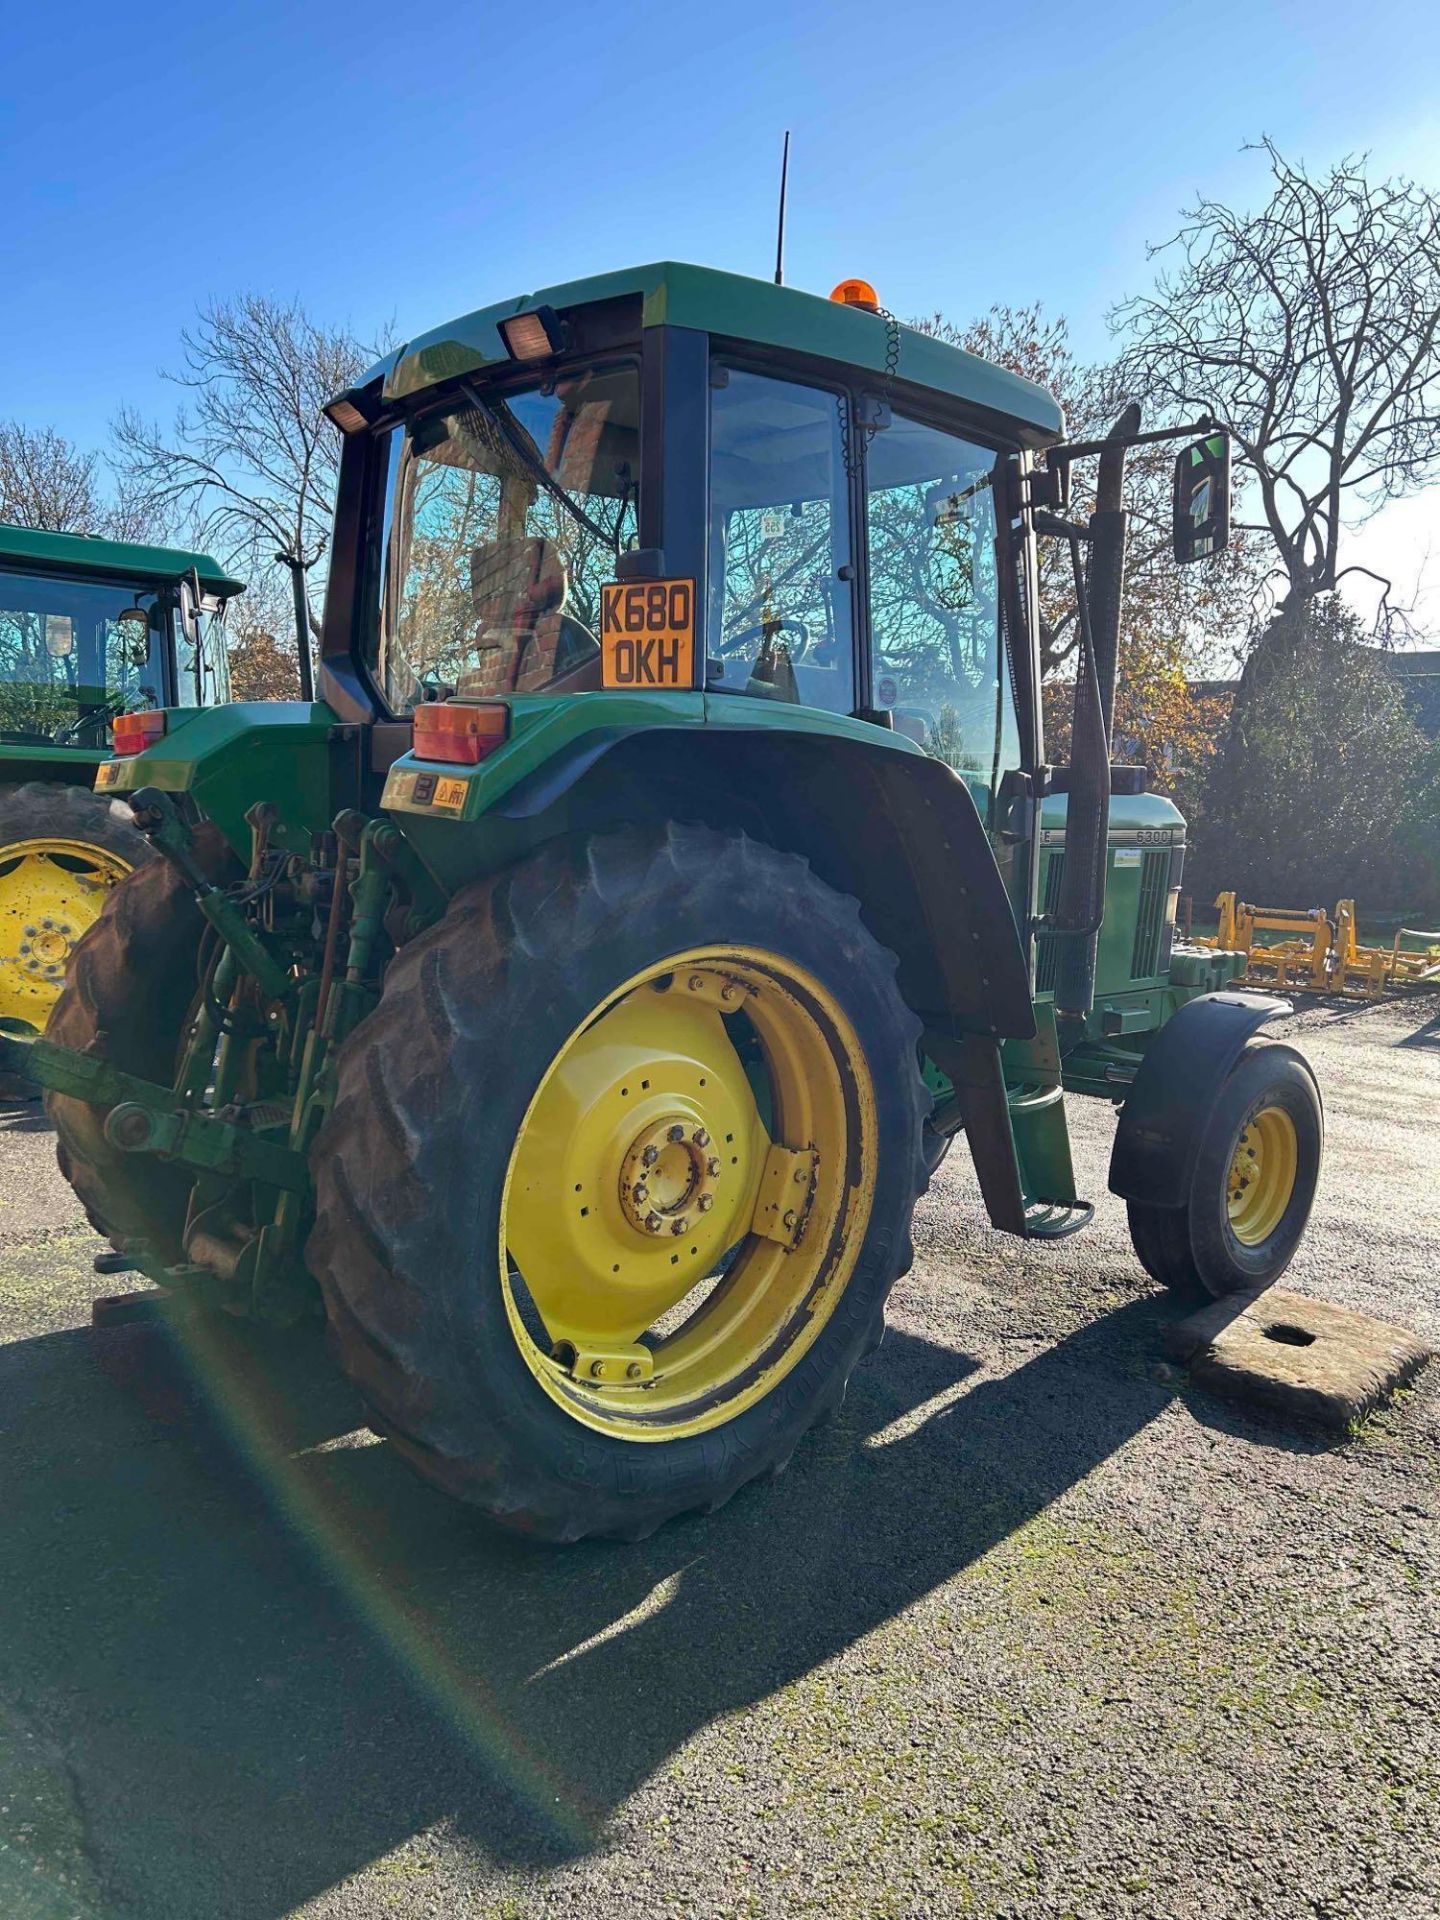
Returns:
<point x="25" y="946"/>
<point x="653" y="1223"/>
<point x="790" y="1219"/>
<point x="696" y="982"/>
<point x="676" y="1135"/>
<point x="712" y="1167"/>
<point x="597" y="1369"/>
<point x="649" y="1156"/>
<point x="640" y="1193"/>
<point x="705" y="1202"/>
<point x="634" y="1370"/>
<point x="682" y="1225"/>
<point x="30" y="932"/>
<point x="700" y="1138"/>
<point x="799" y="1176"/>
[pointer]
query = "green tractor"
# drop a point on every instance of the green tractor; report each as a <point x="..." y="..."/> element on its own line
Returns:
<point x="572" y="1003"/>
<point x="90" y="631"/>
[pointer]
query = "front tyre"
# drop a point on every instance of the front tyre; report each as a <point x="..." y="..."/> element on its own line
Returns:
<point x="619" y="1175"/>
<point x="1253" y="1187"/>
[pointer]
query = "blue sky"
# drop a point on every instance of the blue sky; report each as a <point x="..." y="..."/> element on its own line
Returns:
<point x="388" y="161"/>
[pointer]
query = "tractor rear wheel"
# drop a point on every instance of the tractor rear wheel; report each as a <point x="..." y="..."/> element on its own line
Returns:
<point x="62" y="850"/>
<point x="618" y="1177"/>
<point x="1253" y="1187"/>
<point x="128" y="1000"/>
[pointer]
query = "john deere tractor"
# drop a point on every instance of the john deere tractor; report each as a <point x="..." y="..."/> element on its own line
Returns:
<point x="572" y="1002"/>
<point x="90" y="631"/>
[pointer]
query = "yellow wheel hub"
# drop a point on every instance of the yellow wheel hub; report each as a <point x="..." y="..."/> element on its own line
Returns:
<point x="1263" y="1170"/>
<point x="688" y="1193"/>
<point x="51" y="892"/>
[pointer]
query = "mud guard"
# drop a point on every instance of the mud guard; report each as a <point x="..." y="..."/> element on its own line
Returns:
<point x="1168" y="1109"/>
<point x="898" y="830"/>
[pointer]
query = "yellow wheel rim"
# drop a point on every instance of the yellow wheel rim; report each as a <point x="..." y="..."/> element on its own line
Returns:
<point x="688" y="1193"/>
<point x="51" y="892"/>
<point x="1262" y="1175"/>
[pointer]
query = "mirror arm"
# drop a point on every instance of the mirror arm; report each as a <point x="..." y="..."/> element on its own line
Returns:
<point x="1082" y="449"/>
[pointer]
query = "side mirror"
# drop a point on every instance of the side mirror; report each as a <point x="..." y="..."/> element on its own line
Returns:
<point x="1202" y="499"/>
<point x="134" y="625"/>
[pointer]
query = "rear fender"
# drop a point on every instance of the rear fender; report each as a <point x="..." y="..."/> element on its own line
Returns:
<point x="1168" y="1108"/>
<point x="898" y="830"/>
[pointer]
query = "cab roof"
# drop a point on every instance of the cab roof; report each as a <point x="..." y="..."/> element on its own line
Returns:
<point x="737" y="308"/>
<point x="84" y="553"/>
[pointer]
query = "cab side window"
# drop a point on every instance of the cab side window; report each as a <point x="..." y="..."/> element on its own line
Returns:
<point x="779" y="622"/>
<point x="934" y="597"/>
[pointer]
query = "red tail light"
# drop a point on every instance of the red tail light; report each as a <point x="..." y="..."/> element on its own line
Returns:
<point x="464" y="733"/>
<point x="133" y="732"/>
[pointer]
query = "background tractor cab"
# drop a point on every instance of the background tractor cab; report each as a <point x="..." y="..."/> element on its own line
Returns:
<point x="90" y="631"/>
<point x="671" y="869"/>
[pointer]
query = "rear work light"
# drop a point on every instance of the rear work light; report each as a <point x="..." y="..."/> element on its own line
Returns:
<point x="464" y="733"/>
<point x="133" y="732"/>
<point x="535" y="335"/>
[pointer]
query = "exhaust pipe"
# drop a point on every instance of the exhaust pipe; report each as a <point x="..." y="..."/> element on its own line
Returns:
<point x="1081" y="907"/>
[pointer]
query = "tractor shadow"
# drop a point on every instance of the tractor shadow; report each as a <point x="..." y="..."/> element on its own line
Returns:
<point x="268" y="1655"/>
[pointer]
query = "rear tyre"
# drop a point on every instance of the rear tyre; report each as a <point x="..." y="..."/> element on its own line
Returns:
<point x="62" y="851"/>
<point x="537" y="1194"/>
<point x="1253" y="1186"/>
<point x="132" y="985"/>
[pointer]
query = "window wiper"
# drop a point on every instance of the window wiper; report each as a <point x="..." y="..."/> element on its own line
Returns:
<point x="537" y="469"/>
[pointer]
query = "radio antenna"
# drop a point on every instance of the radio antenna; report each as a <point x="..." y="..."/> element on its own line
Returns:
<point x="780" y="236"/>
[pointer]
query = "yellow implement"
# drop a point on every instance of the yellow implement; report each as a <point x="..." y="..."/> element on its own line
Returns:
<point x="1323" y="954"/>
<point x="1302" y="961"/>
<point x="1365" y="971"/>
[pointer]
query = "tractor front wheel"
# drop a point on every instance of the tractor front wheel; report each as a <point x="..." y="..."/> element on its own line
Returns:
<point x="1253" y="1186"/>
<point x="619" y="1175"/>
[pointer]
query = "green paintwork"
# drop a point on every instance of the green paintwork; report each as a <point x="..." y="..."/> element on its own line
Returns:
<point x="735" y="308"/>
<point x="541" y="726"/>
<point x="79" y="553"/>
<point x="229" y="757"/>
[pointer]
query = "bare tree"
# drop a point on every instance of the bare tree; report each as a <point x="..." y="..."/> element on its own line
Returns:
<point x="250" y="461"/>
<point x="1310" y="329"/>
<point x="46" y="482"/>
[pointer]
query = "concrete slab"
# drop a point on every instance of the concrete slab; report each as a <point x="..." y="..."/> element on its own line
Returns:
<point x="1304" y="1359"/>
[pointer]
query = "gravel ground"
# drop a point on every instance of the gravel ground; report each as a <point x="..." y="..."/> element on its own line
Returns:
<point x="1028" y="1629"/>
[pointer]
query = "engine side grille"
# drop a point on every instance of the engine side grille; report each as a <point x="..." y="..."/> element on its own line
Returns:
<point x="1150" y="920"/>
<point x="1047" y="952"/>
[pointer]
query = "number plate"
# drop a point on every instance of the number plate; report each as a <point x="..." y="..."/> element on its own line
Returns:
<point x="108" y="774"/>
<point x="647" y="633"/>
<point x="415" y="792"/>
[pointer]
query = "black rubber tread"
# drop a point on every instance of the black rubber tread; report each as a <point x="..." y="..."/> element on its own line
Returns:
<point x="1161" y="1239"/>
<point x="1190" y="1249"/>
<point x="51" y="810"/>
<point x="432" y="1088"/>
<point x="127" y="999"/>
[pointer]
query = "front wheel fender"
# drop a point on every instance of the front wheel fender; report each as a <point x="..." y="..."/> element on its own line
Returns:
<point x="1168" y="1109"/>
